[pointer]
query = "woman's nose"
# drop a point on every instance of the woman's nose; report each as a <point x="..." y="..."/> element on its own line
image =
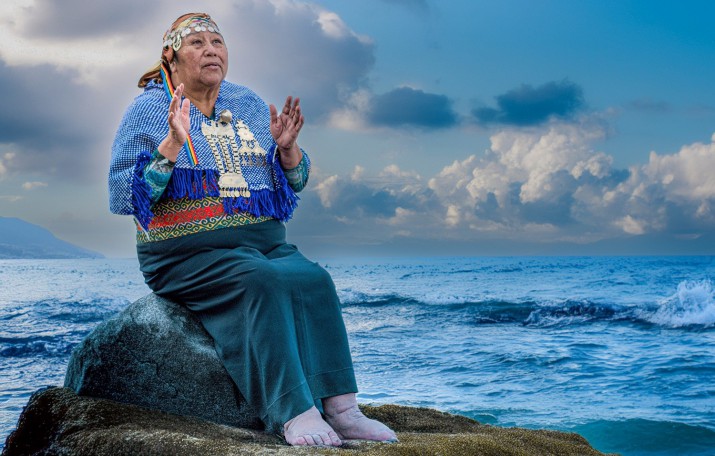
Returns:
<point x="211" y="49"/>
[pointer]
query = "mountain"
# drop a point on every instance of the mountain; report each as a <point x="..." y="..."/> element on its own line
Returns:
<point x="20" y="239"/>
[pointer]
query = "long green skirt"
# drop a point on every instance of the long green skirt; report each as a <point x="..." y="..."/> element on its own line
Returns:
<point x="274" y="315"/>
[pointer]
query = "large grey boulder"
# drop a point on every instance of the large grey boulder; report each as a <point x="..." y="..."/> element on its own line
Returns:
<point x="156" y="354"/>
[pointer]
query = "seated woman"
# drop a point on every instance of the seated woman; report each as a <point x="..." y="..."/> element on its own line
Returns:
<point x="210" y="173"/>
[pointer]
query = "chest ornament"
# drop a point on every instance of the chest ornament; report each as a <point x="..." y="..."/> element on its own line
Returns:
<point x="235" y="152"/>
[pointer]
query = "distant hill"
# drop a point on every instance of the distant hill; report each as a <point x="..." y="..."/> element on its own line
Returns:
<point x="20" y="239"/>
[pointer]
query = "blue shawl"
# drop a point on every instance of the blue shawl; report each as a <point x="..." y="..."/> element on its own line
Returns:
<point x="143" y="128"/>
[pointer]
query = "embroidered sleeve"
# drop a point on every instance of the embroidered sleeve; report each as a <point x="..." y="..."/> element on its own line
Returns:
<point x="298" y="177"/>
<point x="157" y="174"/>
<point x="140" y="132"/>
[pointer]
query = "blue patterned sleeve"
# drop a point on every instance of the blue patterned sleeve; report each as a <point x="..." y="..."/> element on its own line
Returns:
<point x="139" y="134"/>
<point x="298" y="177"/>
<point x="157" y="174"/>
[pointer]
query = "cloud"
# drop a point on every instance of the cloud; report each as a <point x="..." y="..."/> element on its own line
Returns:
<point x="411" y="107"/>
<point x="73" y="70"/>
<point x="403" y="107"/>
<point x="4" y="160"/>
<point x="546" y="184"/>
<point x="33" y="185"/>
<point x="356" y="197"/>
<point x="282" y="47"/>
<point x="51" y="132"/>
<point x="527" y="105"/>
<point x="87" y="43"/>
<point x="79" y="19"/>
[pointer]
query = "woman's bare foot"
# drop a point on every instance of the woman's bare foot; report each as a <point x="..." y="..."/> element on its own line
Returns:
<point x="344" y="416"/>
<point x="309" y="428"/>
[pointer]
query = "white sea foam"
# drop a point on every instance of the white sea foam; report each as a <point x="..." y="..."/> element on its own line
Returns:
<point x="692" y="304"/>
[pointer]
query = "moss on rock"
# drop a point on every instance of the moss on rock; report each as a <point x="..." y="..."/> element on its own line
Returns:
<point x="58" y="422"/>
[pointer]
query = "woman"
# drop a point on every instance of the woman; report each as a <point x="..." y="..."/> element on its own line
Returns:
<point x="209" y="173"/>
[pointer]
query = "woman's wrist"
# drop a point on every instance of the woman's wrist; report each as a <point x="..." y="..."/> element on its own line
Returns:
<point x="290" y="158"/>
<point x="170" y="148"/>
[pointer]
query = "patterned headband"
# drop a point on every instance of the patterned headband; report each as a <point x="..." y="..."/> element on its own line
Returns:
<point x="194" y="24"/>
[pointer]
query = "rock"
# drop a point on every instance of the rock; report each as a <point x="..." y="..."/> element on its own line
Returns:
<point x="157" y="355"/>
<point x="58" y="422"/>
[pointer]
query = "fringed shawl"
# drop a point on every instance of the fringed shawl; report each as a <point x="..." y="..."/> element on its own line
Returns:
<point x="143" y="128"/>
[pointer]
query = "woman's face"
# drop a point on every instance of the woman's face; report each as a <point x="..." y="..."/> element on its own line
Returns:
<point x="202" y="61"/>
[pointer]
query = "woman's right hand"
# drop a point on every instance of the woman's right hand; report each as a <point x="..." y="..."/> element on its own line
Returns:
<point x="179" y="125"/>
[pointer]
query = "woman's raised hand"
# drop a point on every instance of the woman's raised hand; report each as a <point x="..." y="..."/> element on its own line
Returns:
<point x="286" y="126"/>
<point x="179" y="125"/>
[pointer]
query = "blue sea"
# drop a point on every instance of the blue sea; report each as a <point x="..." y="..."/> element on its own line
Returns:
<point x="618" y="349"/>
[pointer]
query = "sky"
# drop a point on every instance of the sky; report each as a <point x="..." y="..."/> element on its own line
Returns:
<point x="450" y="127"/>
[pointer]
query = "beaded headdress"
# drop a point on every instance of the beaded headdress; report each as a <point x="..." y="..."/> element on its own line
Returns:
<point x="193" y="24"/>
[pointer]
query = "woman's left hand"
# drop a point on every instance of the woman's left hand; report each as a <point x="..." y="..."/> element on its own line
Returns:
<point x="285" y="129"/>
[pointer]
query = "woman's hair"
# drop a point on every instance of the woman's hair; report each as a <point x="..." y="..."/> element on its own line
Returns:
<point x="167" y="53"/>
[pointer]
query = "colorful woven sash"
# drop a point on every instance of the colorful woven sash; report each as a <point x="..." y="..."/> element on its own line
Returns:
<point x="169" y="89"/>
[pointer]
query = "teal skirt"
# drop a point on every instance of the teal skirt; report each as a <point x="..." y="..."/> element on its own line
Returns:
<point x="274" y="315"/>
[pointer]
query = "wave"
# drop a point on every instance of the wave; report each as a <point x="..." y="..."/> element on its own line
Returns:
<point x="34" y="347"/>
<point x="692" y="306"/>
<point x="356" y="298"/>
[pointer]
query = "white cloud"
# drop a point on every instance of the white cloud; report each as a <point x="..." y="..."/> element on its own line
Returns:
<point x="352" y="114"/>
<point x="401" y="218"/>
<point x="4" y="162"/>
<point x="453" y="216"/>
<point x="33" y="185"/>
<point x="630" y="225"/>
<point x="686" y="175"/>
<point x="327" y="190"/>
<point x="545" y="184"/>
<point x="332" y="25"/>
<point x="358" y="173"/>
<point x="535" y="157"/>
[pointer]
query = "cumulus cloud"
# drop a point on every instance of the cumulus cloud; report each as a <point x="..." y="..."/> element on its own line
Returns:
<point x="527" y="105"/>
<point x="547" y="183"/>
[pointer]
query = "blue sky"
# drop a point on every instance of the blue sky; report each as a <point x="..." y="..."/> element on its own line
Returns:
<point x="434" y="127"/>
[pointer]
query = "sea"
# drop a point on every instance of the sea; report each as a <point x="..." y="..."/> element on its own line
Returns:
<point x="618" y="349"/>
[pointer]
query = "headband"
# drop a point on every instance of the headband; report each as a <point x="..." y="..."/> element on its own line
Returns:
<point x="193" y="24"/>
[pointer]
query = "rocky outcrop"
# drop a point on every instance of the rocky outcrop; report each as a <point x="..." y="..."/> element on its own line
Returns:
<point x="157" y="355"/>
<point x="58" y="422"/>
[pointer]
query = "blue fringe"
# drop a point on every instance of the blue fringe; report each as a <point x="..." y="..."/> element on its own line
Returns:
<point x="192" y="183"/>
<point x="286" y="198"/>
<point x="141" y="192"/>
<point x="198" y="183"/>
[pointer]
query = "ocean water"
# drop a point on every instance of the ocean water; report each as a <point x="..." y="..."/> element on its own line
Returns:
<point x="618" y="349"/>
